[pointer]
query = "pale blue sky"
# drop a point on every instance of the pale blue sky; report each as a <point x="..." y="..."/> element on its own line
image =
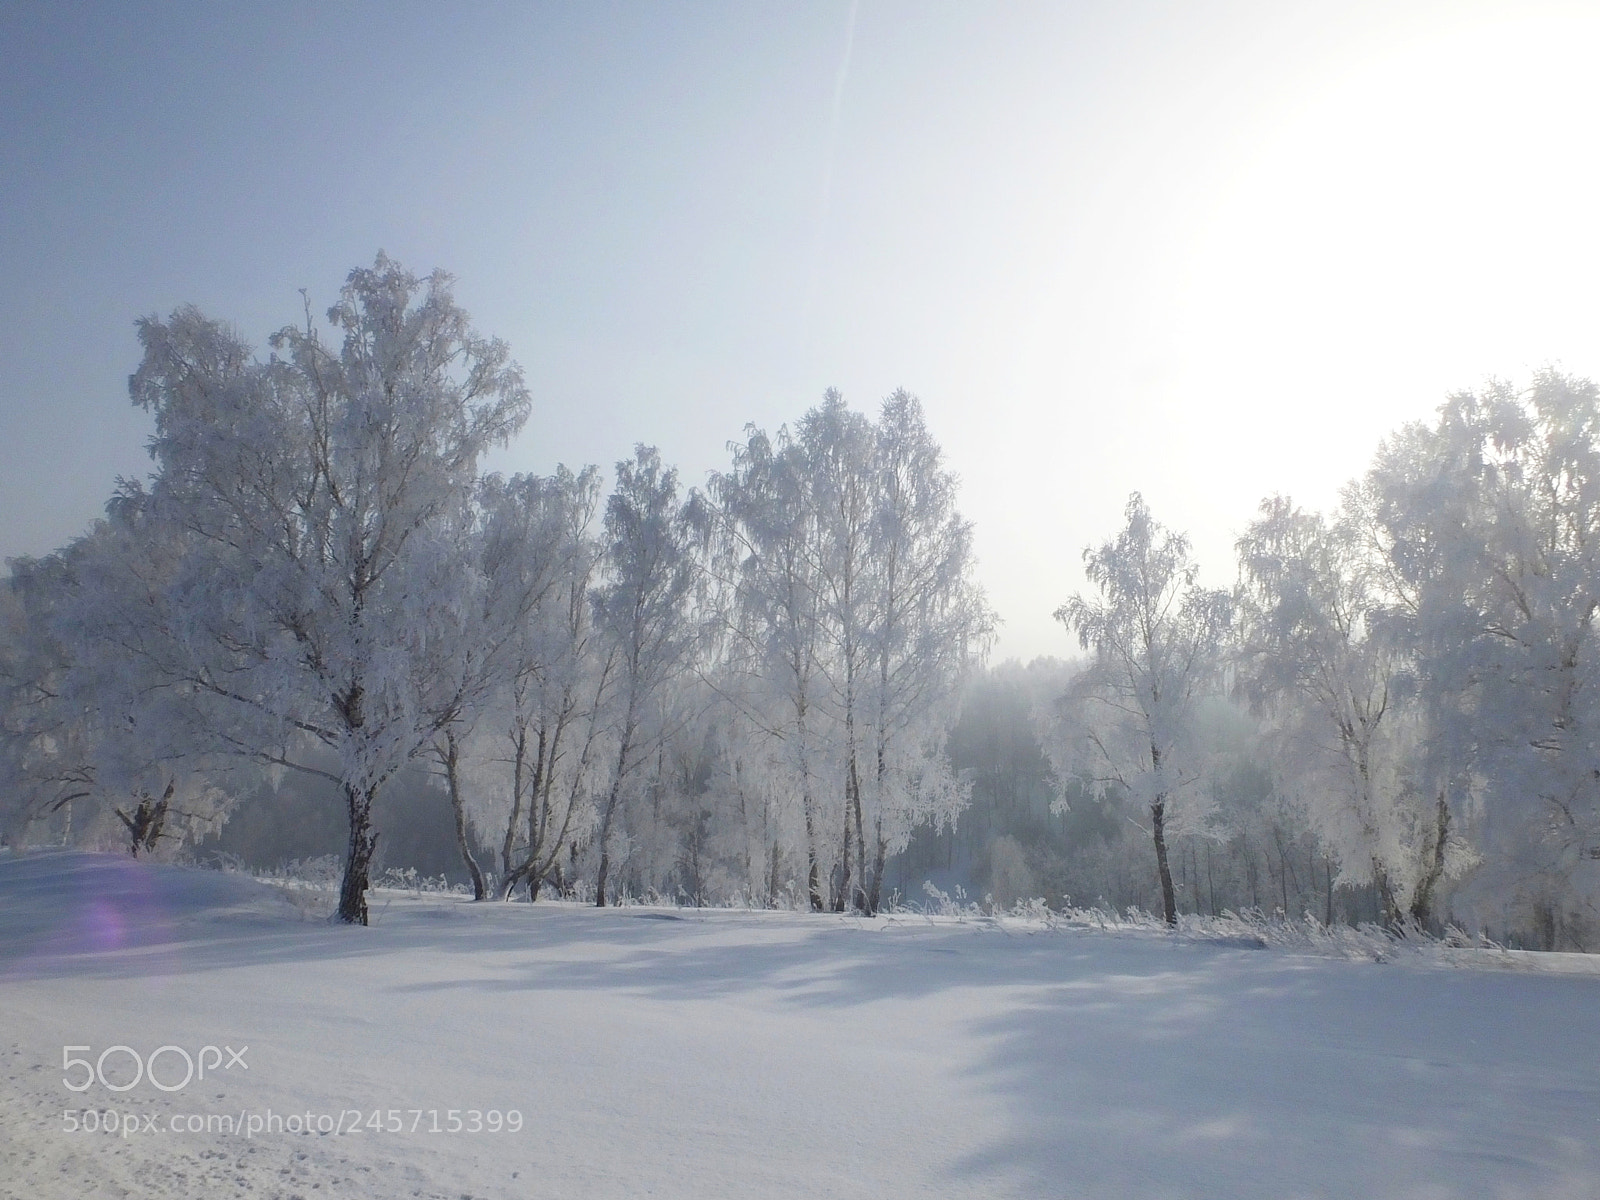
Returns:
<point x="1208" y="251"/>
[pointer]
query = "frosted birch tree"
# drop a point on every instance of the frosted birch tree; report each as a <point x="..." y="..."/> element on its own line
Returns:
<point x="928" y="626"/>
<point x="321" y="490"/>
<point x="43" y="746"/>
<point x="103" y="725"/>
<point x="770" y="545"/>
<point x="643" y="616"/>
<point x="1492" y="519"/>
<point x="509" y="644"/>
<point x="839" y="452"/>
<point x="550" y="729"/>
<point x="1155" y="638"/>
<point x="1316" y="657"/>
<point x="854" y="617"/>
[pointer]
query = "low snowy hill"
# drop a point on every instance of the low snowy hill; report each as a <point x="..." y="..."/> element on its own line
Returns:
<point x="491" y="1051"/>
<point x="57" y="903"/>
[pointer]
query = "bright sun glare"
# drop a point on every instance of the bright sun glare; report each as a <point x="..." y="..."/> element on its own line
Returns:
<point x="1406" y="223"/>
<point x="1417" y="215"/>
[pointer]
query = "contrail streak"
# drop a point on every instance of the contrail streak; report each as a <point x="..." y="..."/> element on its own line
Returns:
<point x="826" y="199"/>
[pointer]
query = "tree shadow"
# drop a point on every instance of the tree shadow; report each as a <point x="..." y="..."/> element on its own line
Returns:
<point x="1251" y="1076"/>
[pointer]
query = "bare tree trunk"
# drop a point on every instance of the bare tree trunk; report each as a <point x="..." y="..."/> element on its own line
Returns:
<point x="876" y="896"/>
<point x="539" y="807"/>
<point x="1389" y="906"/>
<point x="544" y="778"/>
<point x="158" y="820"/>
<point x="515" y="873"/>
<point x="841" y="891"/>
<point x="1286" y="874"/>
<point x="858" y="897"/>
<point x="630" y="727"/>
<point x="808" y="803"/>
<point x="1158" y="821"/>
<point x="519" y="760"/>
<point x="358" y="854"/>
<point x="458" y="806"/>
<point x="1187" y="874"/>
<point x="1158" y="829"/>
<point x="148" y="821"/>
<point x="1194" y="876"/>
<point x="136" y="825"/>
<point x="1211" y="880"/>
<point x="610" y="812"/>
<point x="744" y="840"/>
<point x="544" y="849"/>
<point x="813" y="868"/>
<point x="604" y="873"/>
<point x="1422" y="903"/>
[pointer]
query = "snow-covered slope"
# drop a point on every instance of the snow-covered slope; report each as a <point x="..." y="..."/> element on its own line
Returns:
<point x="673" y="1053"/>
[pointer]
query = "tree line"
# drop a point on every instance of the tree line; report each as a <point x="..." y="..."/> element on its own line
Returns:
<point x="741" y="690"/>
<point x="1399" y="695"/>
<point x="753" y="691"/>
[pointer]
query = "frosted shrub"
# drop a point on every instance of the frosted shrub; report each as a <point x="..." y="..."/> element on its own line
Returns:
<point x="409" y="880"/>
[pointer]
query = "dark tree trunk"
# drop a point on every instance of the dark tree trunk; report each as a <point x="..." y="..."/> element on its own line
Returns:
<point x="539" y="797"/>
<point x="542" y="856"/>
<point x="601" y="875"/>
<point x="841" y="891"/>
<point x="358" y="854"/>
<point x="1389" y="907"/>
<point x="1211" y="880"/>
<point x="1158" y="829"/>
<point x="147" y="822"/>
<point x="858" y="898"/>
<point x="876" y="895"/>
<point x="1169" y="901"/>
<point x="1422" y="904"/>
<point x="1285" y="871"/>
<point x="1283" y="885"/>
<point x="612" y="798"/>
<point x="519" y="760"/>
<point x="158" y="821"/>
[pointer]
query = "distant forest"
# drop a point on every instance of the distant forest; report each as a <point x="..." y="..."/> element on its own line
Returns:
<point x="318" y="631"/>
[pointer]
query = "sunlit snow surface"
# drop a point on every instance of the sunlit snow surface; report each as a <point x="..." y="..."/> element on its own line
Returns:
<point x="675" y="1053"/>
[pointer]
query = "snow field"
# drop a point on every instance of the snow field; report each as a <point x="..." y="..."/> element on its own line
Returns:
<point x="683" y="1053"/>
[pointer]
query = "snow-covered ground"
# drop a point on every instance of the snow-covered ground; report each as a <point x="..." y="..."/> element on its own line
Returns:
<point x="677" y="1053"/>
